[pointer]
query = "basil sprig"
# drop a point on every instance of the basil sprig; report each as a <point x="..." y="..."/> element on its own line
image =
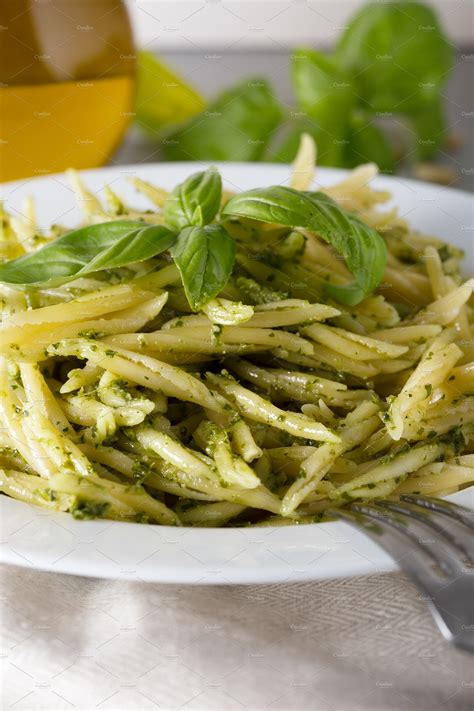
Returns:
<point x="393" y="58"/>
<point x="325" y="96"/>
<point x="362" y="247"/>
<point x="205" y="259"/>
<point x="194" y="202"/>
<point x="237" y="125"/>
<point x="107" y="245"/>
<point x="397" y="53"/>
<point x="204" y="253"/>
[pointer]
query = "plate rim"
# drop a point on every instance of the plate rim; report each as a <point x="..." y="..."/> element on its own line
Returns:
<point x="461" y="192"/>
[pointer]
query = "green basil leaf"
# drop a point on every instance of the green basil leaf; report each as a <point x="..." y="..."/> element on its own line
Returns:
<point x="366" y="143"/>
<point x="236" y="126"/>
<point x="362" y="247"/>
<point x="194" y="202"/>
<point x="429" y="126"/>
<point x="107" y="245"/>
<point x="144" y="243"/>
<point x="397" y="53"/>
<point x="324" y="94"/>
<point x="205" y="258"/>
<point x="330" y="151"/>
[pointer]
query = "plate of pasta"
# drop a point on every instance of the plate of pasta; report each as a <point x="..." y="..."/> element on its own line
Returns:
<point x="199" y="363"/>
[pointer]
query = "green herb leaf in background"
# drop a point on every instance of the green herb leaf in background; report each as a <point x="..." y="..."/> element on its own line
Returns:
<point x="236" y="126"/>
<point x="290" y="138"/>
<point x="397" y="54"/>
<point x="429" y="127"/>
<point x="366" y="143"/>
<point x="393" y="58"/>
<point x="89" y="249"/>
<point x="362" y="247"/>
<point x="205" y="258"/>
<point x="194" y="202"/>
<point x="324" y="93"/>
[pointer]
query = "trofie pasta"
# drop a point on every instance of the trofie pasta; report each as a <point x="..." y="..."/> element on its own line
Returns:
<point x="255" y="359"/>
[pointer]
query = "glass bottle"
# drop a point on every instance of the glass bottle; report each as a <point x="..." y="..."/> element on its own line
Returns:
<point x="66" y="84"/>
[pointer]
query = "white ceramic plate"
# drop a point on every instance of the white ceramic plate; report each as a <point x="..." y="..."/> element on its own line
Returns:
<point x="53" y="541"/>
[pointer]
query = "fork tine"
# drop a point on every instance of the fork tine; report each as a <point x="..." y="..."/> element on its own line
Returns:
<point x="446" y="555"/>
<point x="461" y="513"/>
<point x="448" y="589"/>
<point x="454" y="531"/>
<point x="413" y="560"/>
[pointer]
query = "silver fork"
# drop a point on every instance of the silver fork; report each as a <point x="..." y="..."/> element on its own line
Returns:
<point x="432" y="541"/>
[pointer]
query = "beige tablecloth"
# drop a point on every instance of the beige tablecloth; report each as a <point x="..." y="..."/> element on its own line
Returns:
<point x="361" y="643"/>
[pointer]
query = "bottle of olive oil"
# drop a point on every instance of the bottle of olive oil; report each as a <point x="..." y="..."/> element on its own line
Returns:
<point x="66" y="84"/>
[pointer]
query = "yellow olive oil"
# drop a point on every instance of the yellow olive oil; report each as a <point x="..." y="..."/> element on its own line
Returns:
<point x="66" y="84"/>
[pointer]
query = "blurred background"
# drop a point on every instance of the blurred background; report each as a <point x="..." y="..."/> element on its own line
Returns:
<point x="90" y="82"/>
